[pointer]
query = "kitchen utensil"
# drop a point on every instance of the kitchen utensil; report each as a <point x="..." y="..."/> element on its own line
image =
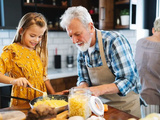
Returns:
<point x="44" y="93"/>
<point x="15" y="97"/>
<point x="70" y="58"/>
<point x="55" y="97"/>
<point x="57" y="59"/>
<point x="36" y="89"/>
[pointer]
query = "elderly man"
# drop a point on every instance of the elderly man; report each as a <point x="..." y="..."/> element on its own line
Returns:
<point x="105" y="61"/>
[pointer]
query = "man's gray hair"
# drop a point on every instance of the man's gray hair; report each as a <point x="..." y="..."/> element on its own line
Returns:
<point x="157" y="24"/>
<point x="78" y="12"/>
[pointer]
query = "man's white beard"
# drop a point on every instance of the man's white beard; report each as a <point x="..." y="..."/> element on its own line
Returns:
<point x="84" y="47"/>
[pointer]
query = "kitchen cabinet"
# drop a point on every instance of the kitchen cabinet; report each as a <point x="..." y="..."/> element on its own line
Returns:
<point x="93" y="8"/>
<point x="119" y="5"/>
<point x="101" y="11"/>
<point x="65" y="83"/>
<point x="52" y="10"/>
<point x="10" y="13"/>
<point x="5" y="91"/>
<point x="106" y="14"/>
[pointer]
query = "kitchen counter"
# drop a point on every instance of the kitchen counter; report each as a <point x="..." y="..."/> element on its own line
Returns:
<point x="56" y="73"/>
<point x="111" y="114"/>
<point x="61" y="73"/>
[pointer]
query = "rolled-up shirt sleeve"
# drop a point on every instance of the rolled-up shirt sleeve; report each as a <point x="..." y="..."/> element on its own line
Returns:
<point x="124" y="66"/>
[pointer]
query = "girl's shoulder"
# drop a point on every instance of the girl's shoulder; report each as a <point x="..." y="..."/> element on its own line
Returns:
<point x="9" y="51"/>
<point x="11" y="47"/>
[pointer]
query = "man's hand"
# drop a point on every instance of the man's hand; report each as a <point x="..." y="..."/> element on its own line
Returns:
<point x="97" y="90"/>
<point x="104" y="89"/>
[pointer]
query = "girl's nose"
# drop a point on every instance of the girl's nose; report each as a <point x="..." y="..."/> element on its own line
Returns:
<point x="37" y="39"/>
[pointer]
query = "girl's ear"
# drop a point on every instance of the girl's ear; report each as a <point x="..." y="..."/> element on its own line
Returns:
<point x="21" y="31"/>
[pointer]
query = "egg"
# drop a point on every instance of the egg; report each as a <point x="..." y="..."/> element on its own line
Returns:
<point x="95" y="118"/>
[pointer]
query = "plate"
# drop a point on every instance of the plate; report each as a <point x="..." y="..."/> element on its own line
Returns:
<point x="13" y="115"/>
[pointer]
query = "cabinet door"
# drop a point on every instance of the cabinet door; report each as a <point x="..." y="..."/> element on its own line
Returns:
<point x="63" y="83"/>
<point x="106" y="11"/>
<point x="10" y="13"/>
<point x="83" y="3"/>
<point x="5" y="91"/>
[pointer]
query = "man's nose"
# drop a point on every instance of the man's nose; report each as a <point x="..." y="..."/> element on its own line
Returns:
<point x="74" y="40"/>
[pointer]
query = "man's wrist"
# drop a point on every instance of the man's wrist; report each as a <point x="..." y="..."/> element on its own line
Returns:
<point x="83" y="84"/>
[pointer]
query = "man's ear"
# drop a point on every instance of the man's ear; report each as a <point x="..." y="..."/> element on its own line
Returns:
<point x="91" y="27"/>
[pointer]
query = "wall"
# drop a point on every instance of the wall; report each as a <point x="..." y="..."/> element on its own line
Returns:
<point x="62" y="42"/>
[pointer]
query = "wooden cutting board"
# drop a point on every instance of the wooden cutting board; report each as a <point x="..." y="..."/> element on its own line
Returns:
<point x="13" y="115"/>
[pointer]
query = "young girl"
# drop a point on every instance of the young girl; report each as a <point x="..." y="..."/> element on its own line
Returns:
<point x="25" y="60"/>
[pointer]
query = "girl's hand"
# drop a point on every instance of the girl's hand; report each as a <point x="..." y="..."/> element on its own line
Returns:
<point x="64" y="92"/>
<point x="20" y="82"/>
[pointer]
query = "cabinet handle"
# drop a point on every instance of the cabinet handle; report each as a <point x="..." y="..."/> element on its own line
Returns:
<point x="102" y="13"/>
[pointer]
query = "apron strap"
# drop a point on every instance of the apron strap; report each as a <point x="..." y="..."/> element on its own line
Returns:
<point x="101" y="47"/>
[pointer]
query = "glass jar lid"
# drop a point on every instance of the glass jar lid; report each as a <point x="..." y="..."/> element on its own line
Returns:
<point x="96" y="106"/>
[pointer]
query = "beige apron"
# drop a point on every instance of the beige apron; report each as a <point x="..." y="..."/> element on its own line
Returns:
<point x="102" y="75"/>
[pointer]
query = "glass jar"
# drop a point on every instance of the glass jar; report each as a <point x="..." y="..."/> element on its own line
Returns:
<point x="79" y="102"/>
<point x="50" y="25"/>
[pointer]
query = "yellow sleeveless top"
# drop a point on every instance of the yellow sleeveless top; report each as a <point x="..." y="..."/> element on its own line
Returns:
<point x="18" y="61"/>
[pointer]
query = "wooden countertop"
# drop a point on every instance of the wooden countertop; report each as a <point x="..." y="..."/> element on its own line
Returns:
<point x="111" y="114"/>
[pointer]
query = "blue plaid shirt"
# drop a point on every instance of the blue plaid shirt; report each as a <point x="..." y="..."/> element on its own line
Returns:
<point x="119" y="59"/>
